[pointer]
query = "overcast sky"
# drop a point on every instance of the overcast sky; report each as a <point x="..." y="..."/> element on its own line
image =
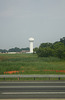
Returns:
<point x="44" y="20"/>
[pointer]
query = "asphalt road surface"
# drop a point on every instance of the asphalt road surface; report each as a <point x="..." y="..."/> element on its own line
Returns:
<point x="18" y="90"/>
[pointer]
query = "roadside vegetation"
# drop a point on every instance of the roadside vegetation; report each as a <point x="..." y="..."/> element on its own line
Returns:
<point x="30" y="64"/>
<point x="56" y="49"/>
<point x="49" y="58"/>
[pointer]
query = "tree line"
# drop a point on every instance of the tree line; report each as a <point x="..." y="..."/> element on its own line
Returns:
<point x="56" y="49"/>
<point x="16" y="49"/>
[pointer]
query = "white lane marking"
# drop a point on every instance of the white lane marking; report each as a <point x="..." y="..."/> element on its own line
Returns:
<point x="32" y="86"/>
<point x="32" y="93"/>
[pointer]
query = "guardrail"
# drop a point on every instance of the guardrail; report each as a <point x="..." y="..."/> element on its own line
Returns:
<point x="32" y="76"/>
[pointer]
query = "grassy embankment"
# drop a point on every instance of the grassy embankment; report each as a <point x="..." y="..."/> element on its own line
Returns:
<point x="30" y="64"/>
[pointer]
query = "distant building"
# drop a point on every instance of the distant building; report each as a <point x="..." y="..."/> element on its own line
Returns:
<point x="24" y="51"/>
<point x="12" y="52"/>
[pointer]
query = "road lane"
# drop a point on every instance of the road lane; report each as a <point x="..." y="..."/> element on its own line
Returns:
<point x="32" y="83"/>
<point x="32" y="90"/>
<point x="33" y="93"/>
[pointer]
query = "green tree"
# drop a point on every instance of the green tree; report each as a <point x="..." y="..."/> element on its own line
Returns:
<point x="56" y="49"/>
<point x="44" y="45"/>
<point x="16" y="49"/>
<point x="59" y="49"/>
<point x="62" y="40"/>
<point x="3" y="50"/>
<point x="35" y="50"/>
<point x="45" y="52"/>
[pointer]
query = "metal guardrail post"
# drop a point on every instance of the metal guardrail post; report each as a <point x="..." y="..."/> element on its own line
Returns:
<point x="4" y="78"/>
<point x="59" y="78"/>
<point x="34" y="78"/>
<point x="49" y="78"/>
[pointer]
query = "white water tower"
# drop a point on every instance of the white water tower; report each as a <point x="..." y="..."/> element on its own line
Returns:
<point x="31" y="40"/>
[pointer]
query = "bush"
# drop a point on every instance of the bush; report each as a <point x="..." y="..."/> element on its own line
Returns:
<point x="45" y="52"/>
<point x="56" y="50"/>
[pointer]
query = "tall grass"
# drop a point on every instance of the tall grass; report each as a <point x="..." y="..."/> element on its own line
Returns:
<point x="30" y="63"/>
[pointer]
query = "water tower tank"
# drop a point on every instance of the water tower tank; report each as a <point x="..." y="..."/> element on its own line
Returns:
<point x="31" y="40"/>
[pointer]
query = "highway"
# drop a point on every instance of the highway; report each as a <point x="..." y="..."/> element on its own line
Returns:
<point x="25" y="90"/>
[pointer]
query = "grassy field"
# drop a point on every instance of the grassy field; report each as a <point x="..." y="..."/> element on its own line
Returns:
<point x="30" y="64"/>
